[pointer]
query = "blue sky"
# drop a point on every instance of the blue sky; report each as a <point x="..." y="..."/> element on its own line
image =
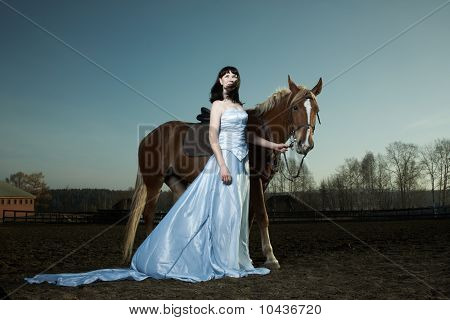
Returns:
<point x="66" y="117"/>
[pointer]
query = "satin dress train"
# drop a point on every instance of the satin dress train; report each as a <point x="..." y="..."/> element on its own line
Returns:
<point x="204" y="235"/>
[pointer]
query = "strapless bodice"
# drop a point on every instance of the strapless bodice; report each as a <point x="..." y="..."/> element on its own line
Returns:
<point x="233" y="132"/>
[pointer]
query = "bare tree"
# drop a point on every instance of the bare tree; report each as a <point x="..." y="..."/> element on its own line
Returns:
<point x="324" y="192"/>
<point x="383" y="182"/>
<point x="368" y="171"/>
<point x="403" y="158"/>
<point x="430" y="162"/>
<point x="443" y="167"/>
<point x="390" y="180"/>
<point x="277" y="183"/>
<point x="333" y="193"/>
<point x="350" y="173"/>
<point x="341" y="190"/>
<point x="18" y="179"/>
<point x="368" y="166"/>
<point x="305" y="181"/>
<point x="33" y="183"/>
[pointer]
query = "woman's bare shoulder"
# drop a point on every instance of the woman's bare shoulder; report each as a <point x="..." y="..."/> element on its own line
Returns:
<point x="217" y="107"/>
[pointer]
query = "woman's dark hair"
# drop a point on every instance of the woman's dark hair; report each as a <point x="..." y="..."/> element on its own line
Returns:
<point x="217" y="88"/>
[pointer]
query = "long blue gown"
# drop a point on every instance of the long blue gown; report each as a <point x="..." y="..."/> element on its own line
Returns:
<point x="204" y="235"/>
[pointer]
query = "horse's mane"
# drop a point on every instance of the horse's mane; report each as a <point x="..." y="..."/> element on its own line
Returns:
<point x="274" y="99"/>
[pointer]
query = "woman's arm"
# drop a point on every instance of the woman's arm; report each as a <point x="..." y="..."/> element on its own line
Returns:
<point x="259" y="141"/>
<point x="214" y="125"/>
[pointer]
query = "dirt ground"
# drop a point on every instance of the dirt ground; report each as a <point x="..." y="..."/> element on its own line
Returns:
<point x="318" y="261"/>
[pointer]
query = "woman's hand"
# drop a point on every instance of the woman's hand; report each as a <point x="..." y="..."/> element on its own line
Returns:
<point x="225" y="175"/>
<point x="280" y="147"/>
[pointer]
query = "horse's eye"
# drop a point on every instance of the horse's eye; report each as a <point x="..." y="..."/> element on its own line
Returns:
<point x="295" y="107"/>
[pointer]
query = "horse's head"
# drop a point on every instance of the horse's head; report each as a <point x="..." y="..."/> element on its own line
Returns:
<point x="302" y="110"/>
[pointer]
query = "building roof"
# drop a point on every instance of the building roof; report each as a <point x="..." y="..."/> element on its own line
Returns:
<point x="8" y="190"/>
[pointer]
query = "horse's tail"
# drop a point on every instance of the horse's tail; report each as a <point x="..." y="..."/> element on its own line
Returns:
<point x="137" y="206"/>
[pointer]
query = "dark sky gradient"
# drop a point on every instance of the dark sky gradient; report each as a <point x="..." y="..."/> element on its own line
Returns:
<point x="64" y="116"/>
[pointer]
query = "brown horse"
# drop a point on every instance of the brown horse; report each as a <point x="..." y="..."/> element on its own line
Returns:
<point x="287" y="113"/>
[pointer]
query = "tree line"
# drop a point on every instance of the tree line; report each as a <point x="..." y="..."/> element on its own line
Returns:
<point x="75" y="199"/>
<point x="404" y="176"/>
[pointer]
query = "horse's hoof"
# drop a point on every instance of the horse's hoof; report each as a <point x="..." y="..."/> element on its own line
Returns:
<point x="272" y="265"/>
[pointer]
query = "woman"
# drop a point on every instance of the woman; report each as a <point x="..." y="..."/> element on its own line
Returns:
<point x="204" y="235"/>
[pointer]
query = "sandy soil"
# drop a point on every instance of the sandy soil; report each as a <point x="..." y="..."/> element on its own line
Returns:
<point x="318" y="261"/>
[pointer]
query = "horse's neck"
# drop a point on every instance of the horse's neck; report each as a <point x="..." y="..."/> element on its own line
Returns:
<point x="276" y="120"/>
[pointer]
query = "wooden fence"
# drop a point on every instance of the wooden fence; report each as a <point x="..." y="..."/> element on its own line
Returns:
<point x="17" y="216"/>
<point x="121" y="216"/>
<point x="359" y="215"/>
<point x="106" y="217"/>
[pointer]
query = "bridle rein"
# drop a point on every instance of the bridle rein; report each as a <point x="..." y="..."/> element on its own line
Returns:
<point x="292" y="140"/>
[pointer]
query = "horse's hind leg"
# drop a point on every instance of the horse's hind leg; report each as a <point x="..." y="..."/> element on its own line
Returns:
<point x="154" y="185"/>
<point x="258" y="206"/>
<point x="176" y="185"/>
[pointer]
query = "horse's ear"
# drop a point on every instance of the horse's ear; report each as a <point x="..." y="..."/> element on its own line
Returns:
<point x="292" y="86"/>
<point x="317" y="88"/>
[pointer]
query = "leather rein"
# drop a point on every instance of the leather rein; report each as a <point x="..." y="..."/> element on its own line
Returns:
<point x="292" y="140"/>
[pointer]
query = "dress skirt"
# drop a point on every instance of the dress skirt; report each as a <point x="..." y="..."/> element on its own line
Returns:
<point x="204" y="236"/>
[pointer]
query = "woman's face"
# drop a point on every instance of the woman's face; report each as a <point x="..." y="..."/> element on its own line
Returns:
<point x="228" y="80"/>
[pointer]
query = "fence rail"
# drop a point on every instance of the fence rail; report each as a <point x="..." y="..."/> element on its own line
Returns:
<point x="21" y="216"/>
<point x="360" y="215"/>
<point x="109" y="217"/>
<point x="17" y="216"/>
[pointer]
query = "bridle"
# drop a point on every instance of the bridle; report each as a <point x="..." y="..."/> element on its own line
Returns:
<point x="292" y="140"/>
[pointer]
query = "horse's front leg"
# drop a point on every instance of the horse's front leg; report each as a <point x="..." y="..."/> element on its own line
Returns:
<point x="258" y="207"/>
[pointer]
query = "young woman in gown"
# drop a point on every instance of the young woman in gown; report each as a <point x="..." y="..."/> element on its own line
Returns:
<point x="205" y="234"/>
